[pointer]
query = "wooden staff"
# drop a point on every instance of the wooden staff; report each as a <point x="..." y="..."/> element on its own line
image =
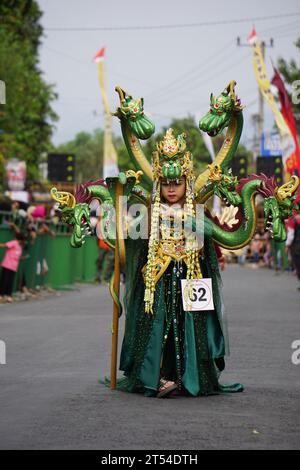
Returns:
<point x="115" y="323"/>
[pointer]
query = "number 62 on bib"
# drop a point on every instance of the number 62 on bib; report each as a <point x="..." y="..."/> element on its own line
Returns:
<point x="197" y="295"/>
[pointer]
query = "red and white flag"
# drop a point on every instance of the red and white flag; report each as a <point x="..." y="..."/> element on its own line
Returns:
<point x="252" y="36"/>
<point x="99" y="56"/>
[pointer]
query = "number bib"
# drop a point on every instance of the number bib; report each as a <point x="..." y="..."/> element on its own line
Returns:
<point x="197" y="295"/>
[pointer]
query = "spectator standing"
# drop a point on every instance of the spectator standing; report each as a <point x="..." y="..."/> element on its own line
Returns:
<point x="256" y="246"/>
<point x="10" y="266"/>
<point x="242" y="255"/>
<point x="267" y="252"/>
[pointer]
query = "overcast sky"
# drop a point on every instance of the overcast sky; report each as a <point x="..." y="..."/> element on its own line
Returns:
<point x="174" y="69"/>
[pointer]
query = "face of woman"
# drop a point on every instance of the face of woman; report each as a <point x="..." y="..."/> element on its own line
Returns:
<point x="173" y="192"/>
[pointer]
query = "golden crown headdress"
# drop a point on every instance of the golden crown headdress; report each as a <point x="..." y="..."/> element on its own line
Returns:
<point x="171" y="160"/>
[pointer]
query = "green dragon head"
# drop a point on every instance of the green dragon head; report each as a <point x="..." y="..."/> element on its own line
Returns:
<point x="132" y="110"/>
<point x="79" y="218"/>
<point x="224" y="185"/>
<point x="221" y="110"/>
<point x="273" y="222"/>
<point x="280" y="207"/>
<point x="77" y="215"/>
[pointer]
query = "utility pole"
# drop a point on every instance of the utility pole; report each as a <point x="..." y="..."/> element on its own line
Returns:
<point x="260" y="116"/>
<point x="110" y="157"/>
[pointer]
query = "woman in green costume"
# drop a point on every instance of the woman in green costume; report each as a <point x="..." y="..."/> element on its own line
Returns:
<point x="166" y="349"/>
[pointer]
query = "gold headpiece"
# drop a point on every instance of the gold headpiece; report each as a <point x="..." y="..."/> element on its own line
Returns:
<point x="171" y="160"/>
<point x="170" y="146"/>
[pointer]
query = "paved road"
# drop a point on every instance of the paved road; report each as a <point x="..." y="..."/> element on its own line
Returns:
<point x="59" y="347"/>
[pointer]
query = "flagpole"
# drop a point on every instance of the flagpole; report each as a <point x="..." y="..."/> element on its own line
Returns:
<point x="110" y="155"/>
<point x="261" y="101"/>
<point x="252" y="38"/>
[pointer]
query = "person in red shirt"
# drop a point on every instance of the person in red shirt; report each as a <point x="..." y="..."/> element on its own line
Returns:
<point x="10" y="264"/>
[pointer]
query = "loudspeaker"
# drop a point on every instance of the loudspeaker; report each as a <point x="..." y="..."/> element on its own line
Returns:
<point x="61" y="167"/>
<point x="239" y="166"/>
<point x="270" y="166"/>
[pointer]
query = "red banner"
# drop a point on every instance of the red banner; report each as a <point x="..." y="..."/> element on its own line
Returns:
<point x="293" y="162"/>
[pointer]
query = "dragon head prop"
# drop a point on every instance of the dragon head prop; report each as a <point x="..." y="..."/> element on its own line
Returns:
<point x="278" y="201"/>
<point x="278" y="207"/>
<point x="76" y="212"/>
<point x="221" y="111"/>
<point x="224" y="185"/>
<point x="171" y="160"/>
<point x="133" y="111"/>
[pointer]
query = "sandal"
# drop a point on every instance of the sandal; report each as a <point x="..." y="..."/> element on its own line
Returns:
<point x="166" y="388"/>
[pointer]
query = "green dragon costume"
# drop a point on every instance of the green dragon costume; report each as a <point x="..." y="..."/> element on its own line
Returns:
<point x="162" y="340"/>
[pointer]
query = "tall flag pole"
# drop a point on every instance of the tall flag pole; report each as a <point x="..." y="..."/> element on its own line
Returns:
<point x="110" y="158"/>
<point x="286" y="138"/>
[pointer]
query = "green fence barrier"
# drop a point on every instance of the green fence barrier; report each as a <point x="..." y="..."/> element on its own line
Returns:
<point x="65" y="265"/>
<point x="78" y="263"/>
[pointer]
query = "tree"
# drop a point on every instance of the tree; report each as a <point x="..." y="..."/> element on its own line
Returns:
<point x="88" y="150"/>
<point x="291" y="73"/>
<point x="26" y="121"/>
<point x="20" y="19"/>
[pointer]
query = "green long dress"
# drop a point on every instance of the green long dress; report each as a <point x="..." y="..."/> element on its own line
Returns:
<point x="180" y="346"/>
